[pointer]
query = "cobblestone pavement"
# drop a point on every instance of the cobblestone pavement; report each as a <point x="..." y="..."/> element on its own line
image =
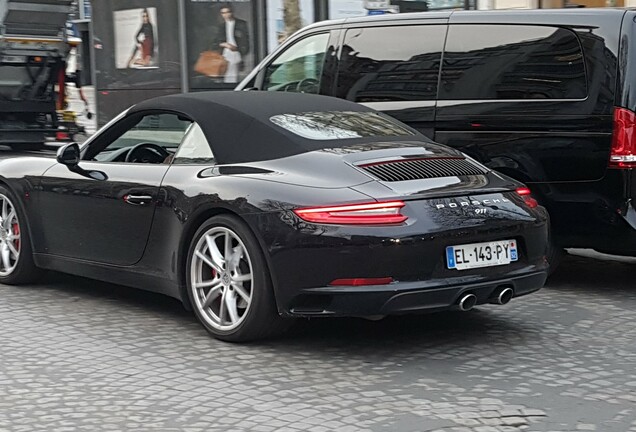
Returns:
<point x="81" y="355"/>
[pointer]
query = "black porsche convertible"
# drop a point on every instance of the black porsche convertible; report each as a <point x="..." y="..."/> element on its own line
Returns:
<point x="251" y="207"/>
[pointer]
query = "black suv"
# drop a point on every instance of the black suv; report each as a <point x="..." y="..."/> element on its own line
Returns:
<point x="544" y="96"/>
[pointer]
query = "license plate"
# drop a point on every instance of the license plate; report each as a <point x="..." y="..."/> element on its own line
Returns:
<point x="485" y="254"/>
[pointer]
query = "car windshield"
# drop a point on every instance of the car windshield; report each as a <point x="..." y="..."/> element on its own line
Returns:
<point x="335" y="125"/>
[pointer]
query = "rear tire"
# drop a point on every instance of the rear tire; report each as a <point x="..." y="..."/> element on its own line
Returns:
<point x="228" y="282"/>
<point x="16" y="255"/>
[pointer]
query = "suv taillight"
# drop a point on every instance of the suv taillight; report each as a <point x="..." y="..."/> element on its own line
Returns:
<point x="525" y="193"/>
<point x="623" y="152"/>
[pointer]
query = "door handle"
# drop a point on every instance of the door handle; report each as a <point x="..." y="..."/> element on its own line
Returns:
<point x="137" y="199"/>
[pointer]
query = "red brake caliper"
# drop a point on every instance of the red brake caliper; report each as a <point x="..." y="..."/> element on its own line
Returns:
<point x="16" y="231"/>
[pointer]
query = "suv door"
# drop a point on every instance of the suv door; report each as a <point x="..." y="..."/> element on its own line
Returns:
<point x="395" y="69"/>
<point x="534" y="101"/>
<point x="103" y="211"/>
<point x="516" y="97"/>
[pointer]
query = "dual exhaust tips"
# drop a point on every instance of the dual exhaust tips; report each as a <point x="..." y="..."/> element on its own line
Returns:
<point x="501" y="296"/>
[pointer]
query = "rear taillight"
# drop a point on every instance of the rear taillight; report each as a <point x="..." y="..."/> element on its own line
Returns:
<point x="525" y="193"/>
<point x="355" y="214"/>
<point x="623" y="153"/>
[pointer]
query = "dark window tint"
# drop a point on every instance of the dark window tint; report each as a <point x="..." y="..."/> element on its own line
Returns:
<point x="340" y="125"/>
<point x="390" y="63"/>
<point x="512" y="62"/>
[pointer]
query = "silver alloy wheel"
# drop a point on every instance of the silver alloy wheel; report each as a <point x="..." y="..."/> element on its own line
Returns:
<point x="9" y="236"/>
<point x="221" y="278"/>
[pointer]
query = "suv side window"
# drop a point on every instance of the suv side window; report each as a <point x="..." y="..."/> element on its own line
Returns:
<point x="399" y="63"/>
<point x="298" y="69"/>
<point x="512" y="62"/>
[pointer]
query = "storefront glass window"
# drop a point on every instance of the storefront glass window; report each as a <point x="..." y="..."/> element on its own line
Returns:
<point x="445" y="4"/>
<point x="220" y="39"/>
<point x="346" y="9"/>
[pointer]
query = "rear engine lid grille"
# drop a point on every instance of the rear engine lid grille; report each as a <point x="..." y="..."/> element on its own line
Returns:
<point x="421" y="168"/>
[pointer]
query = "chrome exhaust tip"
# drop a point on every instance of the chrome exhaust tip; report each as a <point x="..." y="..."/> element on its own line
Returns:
<point x="467" y="302"/>
<point x="503" y="296"/>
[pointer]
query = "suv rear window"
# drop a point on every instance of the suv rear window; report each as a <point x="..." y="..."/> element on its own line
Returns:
<point x="512" y="62"/>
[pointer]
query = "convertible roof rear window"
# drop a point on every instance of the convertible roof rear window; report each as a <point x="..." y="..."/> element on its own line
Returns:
<point x="334" y="125"/>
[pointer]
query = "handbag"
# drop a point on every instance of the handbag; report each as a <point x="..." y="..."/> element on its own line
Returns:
<point x="211" y="63"/>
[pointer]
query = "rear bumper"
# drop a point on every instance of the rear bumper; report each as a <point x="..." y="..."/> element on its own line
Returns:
<point x="598" y="214"/>
<point x="619" y="239"/>
<point x="305" y="259"/>
<point x="408" y="297"/>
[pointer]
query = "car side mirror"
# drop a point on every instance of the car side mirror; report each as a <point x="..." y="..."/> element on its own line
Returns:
<point x="69" y="155"/>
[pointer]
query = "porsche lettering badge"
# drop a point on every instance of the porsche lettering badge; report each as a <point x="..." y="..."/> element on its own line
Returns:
<point x="467" y="203"/>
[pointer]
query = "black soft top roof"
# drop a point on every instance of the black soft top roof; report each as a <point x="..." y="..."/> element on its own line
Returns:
<point x="237" y="124"/>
